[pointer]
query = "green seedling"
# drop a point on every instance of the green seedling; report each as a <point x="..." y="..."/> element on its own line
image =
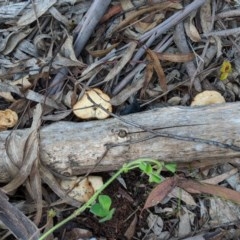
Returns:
<point x="102" y="208"/>
<point x="171" y="167"/>
<point x="149" y="166"/>
<point x="153" y="176"/>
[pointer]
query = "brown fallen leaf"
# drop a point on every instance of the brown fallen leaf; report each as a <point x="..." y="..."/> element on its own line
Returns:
<point x="177" y="57"/>
<point x="148" y="22"/>
<point x="158" y="68"/>
<point x="114" y="10"/>
<point x="102" y="52"/>
<point x="131" y="229"/>
<point x="160" y="192"/>
<point x="147" y="76"/>
<point x="197" y="187"/>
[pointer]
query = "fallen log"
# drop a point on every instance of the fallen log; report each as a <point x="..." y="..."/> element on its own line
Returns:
<point x="172" y="134"/>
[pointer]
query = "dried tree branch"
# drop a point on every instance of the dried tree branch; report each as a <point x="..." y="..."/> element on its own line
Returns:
<point x="178" y="134"/>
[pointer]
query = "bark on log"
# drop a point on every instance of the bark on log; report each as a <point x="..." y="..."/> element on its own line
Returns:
<point x="70" y="148"/>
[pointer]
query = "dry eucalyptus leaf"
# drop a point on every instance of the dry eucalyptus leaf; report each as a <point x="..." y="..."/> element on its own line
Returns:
<point x="67" y="57"/>
<point x="7" y="96"/>
<point x="30" y="145"/>
<point x="67" y="99"/>
<point x="175" y="57"/>
<point x="4" y="40"/>
<point x="126" y="5"/>
<point x="130" y="90"/>
<point x="102" y="52"/>
<point x="218" y="42"/>
<point x="8" y="119"/>
<point x="143" y="27"/>
<point x="61" y="61"/>
<point x="61" y="18"/>
<point x="39" y="8"/>
<point x="14" y="40"/>
<point x="147" y="76"/>
<point x="68" y="51"/>
<point x="23" y="83"/>
<point x="123" y="61"/>
<point x="205" y="16"/>
<point x="12" y="10"/>
<point x="191" y="30"/>
<point x="222" y="211"/>
<point x="185" y="196"/>
<point x="159" y="70"/>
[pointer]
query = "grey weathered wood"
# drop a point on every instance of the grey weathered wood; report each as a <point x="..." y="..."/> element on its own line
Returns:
<point x="74" y="148"/>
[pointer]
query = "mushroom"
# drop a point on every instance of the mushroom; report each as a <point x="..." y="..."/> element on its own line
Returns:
<point x="82" y="191"/>
<point x="207" y="98"/>
<point x="88" y="106"/>
<point x="8" y="119"/>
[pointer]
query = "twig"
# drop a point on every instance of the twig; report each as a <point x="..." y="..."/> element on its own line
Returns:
<point x="228" y="14"/>
<point x="224" y="33"/>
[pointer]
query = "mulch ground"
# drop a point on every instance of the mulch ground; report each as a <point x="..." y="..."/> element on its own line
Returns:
<point x="135" y="55"/>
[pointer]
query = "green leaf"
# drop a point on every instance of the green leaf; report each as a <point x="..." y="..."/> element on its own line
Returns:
<point x="102" y="208"/>
<point x="108" y="217"/>
<point x="172" y="167"/>
<point x="145" y="167"/>
<point x="155" y="177"/>
<point x="98" y="210"/>
<point x="142" y="166"/>
<point x="105" y="201"/>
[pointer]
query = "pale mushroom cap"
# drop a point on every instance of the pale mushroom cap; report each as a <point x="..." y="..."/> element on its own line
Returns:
<point x="83" y="190"/>
<point x="207" y="98"/>
<point x="96" y="182"/>
<point x="85" y="108"/>
<point x="80" y="192"/>
<point x="8" y="118"/>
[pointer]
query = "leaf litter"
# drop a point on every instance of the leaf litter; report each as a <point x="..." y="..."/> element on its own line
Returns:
<point x="143" y="54"/>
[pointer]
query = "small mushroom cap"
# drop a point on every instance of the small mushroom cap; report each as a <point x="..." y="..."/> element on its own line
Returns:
<point x="207" y="98"/>
<point x="86" y="109"/>
<point x="84" y="190"/>
<point x="8" y="119"/>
